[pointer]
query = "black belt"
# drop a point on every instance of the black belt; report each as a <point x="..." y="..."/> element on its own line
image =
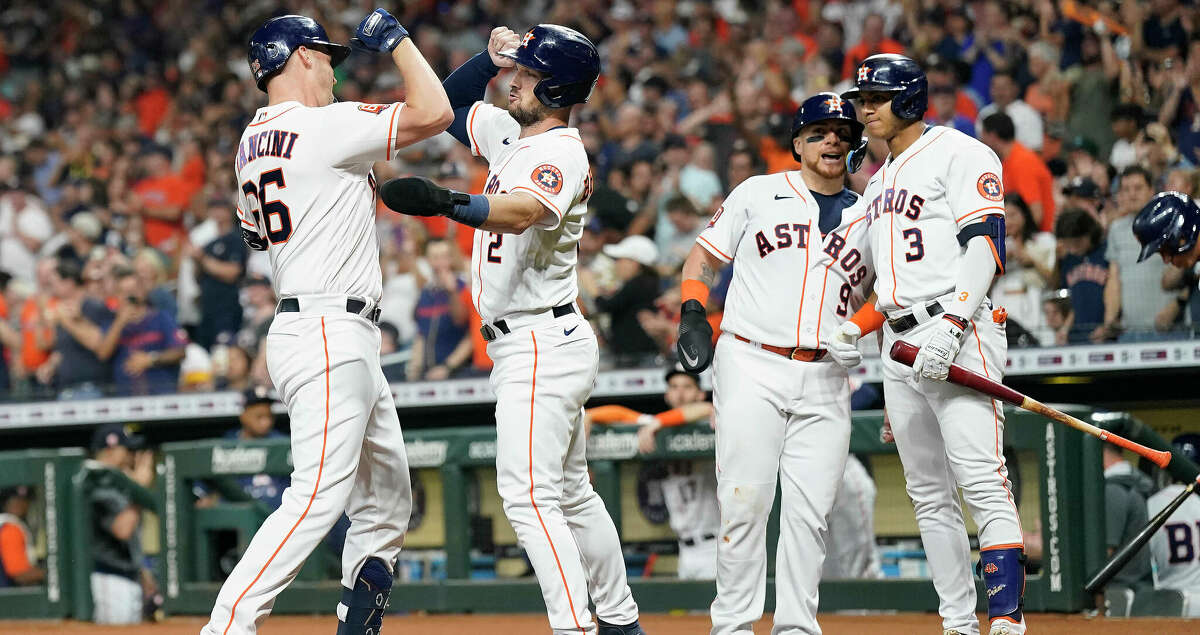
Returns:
<point x="353" y="305"/>
<point x="903" y="323"/>
<point x="691" y="542"/>
<point x="489" y="333"/>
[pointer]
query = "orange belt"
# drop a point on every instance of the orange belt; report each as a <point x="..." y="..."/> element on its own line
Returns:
<point x="796" y="353"/>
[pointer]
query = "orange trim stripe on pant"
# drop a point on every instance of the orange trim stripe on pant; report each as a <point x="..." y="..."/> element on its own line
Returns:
<point x="316" y="488"/>
<point x="532" y="392"/>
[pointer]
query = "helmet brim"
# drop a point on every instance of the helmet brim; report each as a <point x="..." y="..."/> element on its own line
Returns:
<point x="1149" y="249"/>
<point x="337" y="52"/>
<point x="857" y="91"/>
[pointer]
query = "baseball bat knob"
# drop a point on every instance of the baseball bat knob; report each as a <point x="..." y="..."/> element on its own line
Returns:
<point x="904" y="352"/>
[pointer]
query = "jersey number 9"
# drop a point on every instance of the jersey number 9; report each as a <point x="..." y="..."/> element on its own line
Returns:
<point x="274" y="214"/>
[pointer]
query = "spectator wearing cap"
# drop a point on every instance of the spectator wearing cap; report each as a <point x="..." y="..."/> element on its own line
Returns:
<point x="634" y="259"/>
<point x="24" y="226"/>
<point x="1081" y="192"/>
<point x="76" y="243"/>
<point x="1083" y="271"/>
<point x="144" y="343"/>
<point x="220" y="266"/>
<point x="1136" y="285"/>
<point x="443" y="344"/>
<point x="1126" y="123"/>
<point x="18" y="558"/>
<point x="119" y="476"/>
<point x="74" y="368"/>
<point x="258" y="422"/>
<point x="1027" y="122"/>
<point x="1024" y="171"/>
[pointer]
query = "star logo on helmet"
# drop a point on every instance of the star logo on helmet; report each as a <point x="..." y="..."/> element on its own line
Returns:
<point x="862" y="73"/>
<point x="834" y="103"/>
<point x="255" y="66"/>
<point x="527" y="39"/>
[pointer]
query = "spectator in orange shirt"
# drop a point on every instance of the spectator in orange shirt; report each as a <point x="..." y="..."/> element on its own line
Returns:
<point x="161" y="198"/>
<point x="17" y="557"/>
<point x="37" y="334"/>
<point x="1024" y="171"/>
<point x="873" y="41"/>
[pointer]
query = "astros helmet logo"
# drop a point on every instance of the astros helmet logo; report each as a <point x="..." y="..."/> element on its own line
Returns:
<point x="862" y="73"/>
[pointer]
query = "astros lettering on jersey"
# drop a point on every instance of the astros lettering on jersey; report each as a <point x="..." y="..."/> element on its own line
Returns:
<point x="942" y="183"/>
<point x="533" y="270"/>
<point x="774" y="218"/>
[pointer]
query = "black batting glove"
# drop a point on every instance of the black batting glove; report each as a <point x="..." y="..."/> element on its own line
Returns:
<point x="253" y="240"/>
<point x="694" y="346"/>
<point x="418" y="196"/>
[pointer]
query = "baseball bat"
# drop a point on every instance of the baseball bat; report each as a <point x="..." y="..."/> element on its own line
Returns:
<point x="905" y="353"/>
<point x="1127" y="551"/>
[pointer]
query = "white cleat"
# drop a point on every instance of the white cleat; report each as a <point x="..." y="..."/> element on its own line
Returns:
<point x="1005" y="627"/>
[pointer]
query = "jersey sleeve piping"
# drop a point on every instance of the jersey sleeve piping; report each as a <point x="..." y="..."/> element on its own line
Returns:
<point x="982" y="209"/>
<point x="711" y="248"/>
<point x="544" y="201"/>
<point x="387" y="154"/>
<point x="471" y="129"/>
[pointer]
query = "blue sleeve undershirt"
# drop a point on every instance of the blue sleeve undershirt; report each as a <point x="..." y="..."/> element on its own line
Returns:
<point x="465" y="86"/>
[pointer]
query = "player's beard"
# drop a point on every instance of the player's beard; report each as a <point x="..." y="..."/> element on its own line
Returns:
<point x="829" y="171"/>
<point x="528" y="116"/>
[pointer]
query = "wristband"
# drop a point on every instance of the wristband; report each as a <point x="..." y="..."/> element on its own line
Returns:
<point x="692" y="289"/>
<point x="469" y="209"/>
<point x="672" y="417"/>
<point x="956" y="321"/>
<point x="868" y="319"/>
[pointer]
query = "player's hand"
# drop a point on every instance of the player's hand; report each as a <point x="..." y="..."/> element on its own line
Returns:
<point x="379" y="32"/>
<point x="645" y="438"/>
<point x="934" y="359"/>
<point x="694" y="345"/>
<point x="885" y="430"/>
<point x="843" y="347"/>
<point x="502" y="40"/>
<point x="418" y="196"/>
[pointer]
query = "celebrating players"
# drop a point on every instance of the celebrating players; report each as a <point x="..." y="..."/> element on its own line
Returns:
<point x="935" y="218"/>
<point x="782" y="405"/>
<point x="307" y="197"/>
<point x="523" y="283"/>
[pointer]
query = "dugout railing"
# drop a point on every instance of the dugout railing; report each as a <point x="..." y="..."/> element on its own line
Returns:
<point x="1067" y="481"/>
<point x="49" y="473"/>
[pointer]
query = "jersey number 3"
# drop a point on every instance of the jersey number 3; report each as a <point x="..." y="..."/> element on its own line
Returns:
<point x="274" y="214"/>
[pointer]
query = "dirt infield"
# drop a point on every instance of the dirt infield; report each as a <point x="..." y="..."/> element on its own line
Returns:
<point x="655" y="625"/>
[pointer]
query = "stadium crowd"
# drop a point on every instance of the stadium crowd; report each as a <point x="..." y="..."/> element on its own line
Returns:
<point x="122" y="270"/>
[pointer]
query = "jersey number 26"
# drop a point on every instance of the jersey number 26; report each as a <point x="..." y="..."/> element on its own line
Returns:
<point x="273" y="214"/>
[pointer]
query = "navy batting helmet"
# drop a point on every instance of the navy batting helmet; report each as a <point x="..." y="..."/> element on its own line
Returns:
<point x="273" y="43"/>
<point x="568" y="61"/>
<point x="1188" y="445"/>
<point x="1169" y="222"/>
<point x="825" y="107"/>
<point x="891" y="73"/>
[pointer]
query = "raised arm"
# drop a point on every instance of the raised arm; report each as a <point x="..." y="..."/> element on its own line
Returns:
<point x="468" y="83"/>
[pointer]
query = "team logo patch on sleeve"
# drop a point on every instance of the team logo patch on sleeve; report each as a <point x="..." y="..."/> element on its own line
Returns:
<point x="374" y="109"/>
<point x="548" y="178"/>
<point x="989" y="187"/>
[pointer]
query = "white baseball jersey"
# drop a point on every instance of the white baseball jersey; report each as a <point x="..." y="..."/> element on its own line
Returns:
<point x="943" y="182"/>
<point x="534" y="270"/>
<point x="1175" y="547"/>
<point x="769" y="225"/>
<point x="305" y="184"/>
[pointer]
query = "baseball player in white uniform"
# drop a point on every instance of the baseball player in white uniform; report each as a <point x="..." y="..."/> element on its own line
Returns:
<point x="935" y="219"/>
<point x="782" y="405"/>
<point x="1175" y="547"/>
<point x="523" y="283"/>
<point x="307" y="197"/>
